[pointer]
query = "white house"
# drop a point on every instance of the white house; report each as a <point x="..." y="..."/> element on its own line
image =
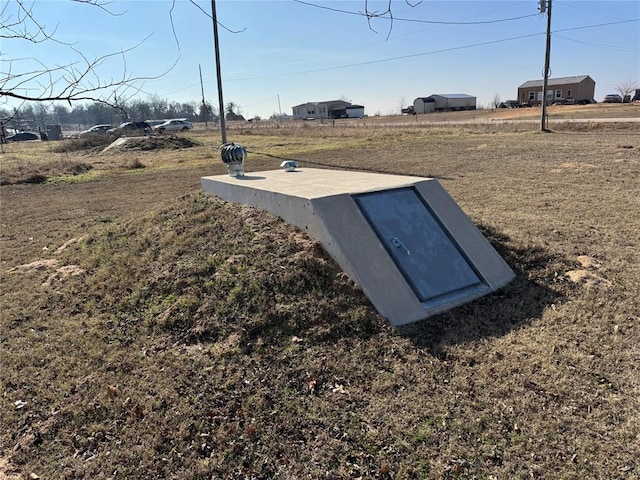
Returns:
<point x="329" y="109"/>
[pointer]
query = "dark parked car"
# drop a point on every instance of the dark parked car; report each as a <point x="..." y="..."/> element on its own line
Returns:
<point x="131" y="129"/>
<point x="22" y="136"/>
<point x="509" y="104"/>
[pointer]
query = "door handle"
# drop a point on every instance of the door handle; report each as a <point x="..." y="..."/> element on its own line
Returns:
<point x="395" y="241"/>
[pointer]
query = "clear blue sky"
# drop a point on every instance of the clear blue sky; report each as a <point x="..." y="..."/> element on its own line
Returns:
<point x="303" y="53"/>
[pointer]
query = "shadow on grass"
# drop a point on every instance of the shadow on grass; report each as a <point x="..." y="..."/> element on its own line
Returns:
<point x="345" y="312"/>
<point x="518" y="303"/>
<point x="359" y="168"/>
<point x="305" y="294"/>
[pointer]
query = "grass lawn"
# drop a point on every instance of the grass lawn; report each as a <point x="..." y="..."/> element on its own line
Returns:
<point x="150" y="331"/>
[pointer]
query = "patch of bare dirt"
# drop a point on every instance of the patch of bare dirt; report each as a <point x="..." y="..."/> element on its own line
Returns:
<point x="588" y="279"/>
<point x="586" y="276"/>
<point x="36" y="265"/>
<point x="62" y="273"/>
<point x="70" y="242"/>
<point x="59" y="274"/>
<point x="589" y="262"/>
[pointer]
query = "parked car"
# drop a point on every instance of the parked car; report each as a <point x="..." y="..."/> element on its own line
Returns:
<point x="509" y="104"/>
<point x="155" y="123"/>
<point x="130" y="129"/>
<point x="22" y="137"/>
<point x="176" y="125"/>
<point x="612" y="98"/>
<point x="96" y="129"/>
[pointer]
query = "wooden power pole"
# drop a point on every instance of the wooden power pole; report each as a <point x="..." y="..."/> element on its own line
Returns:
<point x="223" y="126"/>
<point x="545" y="81"/>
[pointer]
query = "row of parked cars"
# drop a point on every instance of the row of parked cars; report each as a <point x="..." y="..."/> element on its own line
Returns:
<point x="140" y="128"/>
<point x="124" y="129"/>
<point x="609" y="98"/>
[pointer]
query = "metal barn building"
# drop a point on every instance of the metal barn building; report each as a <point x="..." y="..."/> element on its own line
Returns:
<point x="444" y="102"/>
<point x="355" y="111"/>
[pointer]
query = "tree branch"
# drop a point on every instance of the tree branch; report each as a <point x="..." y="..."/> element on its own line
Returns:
<point x="76" y="81"/>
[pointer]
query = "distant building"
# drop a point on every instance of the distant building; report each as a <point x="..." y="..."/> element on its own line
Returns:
<point x="444" y="102"/>
<point x="53" y="132"/>
<point x="330" y="109"/>
<point x="281" y="117"/>
<point x="355" y="111"/>
<point x="579" y="89"/>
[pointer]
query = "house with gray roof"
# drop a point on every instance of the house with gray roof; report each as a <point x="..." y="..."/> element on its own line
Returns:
<point x="578" y="89"/>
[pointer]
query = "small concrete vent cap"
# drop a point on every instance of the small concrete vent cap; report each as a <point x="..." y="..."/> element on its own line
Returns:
<point x="289" y="165"/>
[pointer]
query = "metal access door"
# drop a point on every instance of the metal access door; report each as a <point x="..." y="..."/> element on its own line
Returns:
<point x="425" y="253"/>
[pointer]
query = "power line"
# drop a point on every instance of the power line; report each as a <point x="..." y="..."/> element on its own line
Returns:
<point x="432" y="52"/>
<point x="386" y="16"/>
<point x="259" y="103"/>
<point x="597" y="45"/>
<point x="631" y="20"/>
<point x="382" y="60"/>
<point x="578" y="6"/>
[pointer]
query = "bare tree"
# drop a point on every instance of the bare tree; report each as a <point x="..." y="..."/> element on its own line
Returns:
<point x="41" y="111"/>
<point x="158" y="106"/>
<point x="401" y="103"/>
<point x="207" y="112"/>
<point x="233" y="108"/>
<point x="626" y="88"/>
<point x="233" y="111"/>
<point x="77" y="80"/>
<point x="495" y="103"/>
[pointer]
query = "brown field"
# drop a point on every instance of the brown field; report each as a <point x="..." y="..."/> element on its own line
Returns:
<point x="148" y="331"/>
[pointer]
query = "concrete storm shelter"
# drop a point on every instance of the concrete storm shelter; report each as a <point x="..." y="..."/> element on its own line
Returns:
<point x="403" y="239"/>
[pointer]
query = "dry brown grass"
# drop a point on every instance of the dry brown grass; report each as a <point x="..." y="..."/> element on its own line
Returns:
<point x="150" y="332"/>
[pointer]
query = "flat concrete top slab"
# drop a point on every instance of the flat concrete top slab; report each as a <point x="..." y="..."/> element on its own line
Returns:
<point x="315" y="182"/>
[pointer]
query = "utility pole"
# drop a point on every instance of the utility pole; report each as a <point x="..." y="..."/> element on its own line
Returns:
<point x="204" y="104"/>
<point x="214" y="17"/>
<point x="545" y="5"/>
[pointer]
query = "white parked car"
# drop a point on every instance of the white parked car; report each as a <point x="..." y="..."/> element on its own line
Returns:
<point x="96" y="129"/>
<point x="175" y="125"/>
<point x="155" y="123"/>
